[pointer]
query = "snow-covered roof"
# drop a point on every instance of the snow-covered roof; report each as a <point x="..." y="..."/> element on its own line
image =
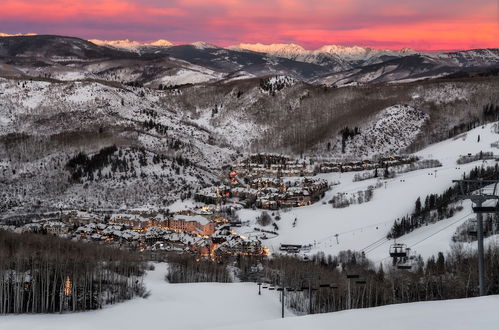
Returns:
<point x="198" y="218"/>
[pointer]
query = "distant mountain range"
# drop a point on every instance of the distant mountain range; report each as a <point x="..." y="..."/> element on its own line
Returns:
<point x="162" y="62"/>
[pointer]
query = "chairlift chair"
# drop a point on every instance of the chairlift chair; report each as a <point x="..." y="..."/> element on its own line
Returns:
<point x="408" y="262"/>
<point x="473" y="227"/>
<point x="485" y="209"/>
<point x="398" y="250"/>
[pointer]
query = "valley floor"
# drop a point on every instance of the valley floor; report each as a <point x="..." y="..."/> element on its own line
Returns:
<point x="237" y="306"/>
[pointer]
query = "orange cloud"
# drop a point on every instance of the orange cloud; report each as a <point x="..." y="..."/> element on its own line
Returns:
<point x="62" y="9"/>
<point x="435" y="36"/>
<point x="422" y="24"/>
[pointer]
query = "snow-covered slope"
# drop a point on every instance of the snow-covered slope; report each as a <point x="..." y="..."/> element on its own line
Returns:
<point x="390" y="132"/>
<point x="48" y="123"/>
<point x="414" y="66"/>
<point x="459" y="314"/>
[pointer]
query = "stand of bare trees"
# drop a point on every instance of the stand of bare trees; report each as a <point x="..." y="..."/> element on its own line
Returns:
<point x="186" y="268"/>
<point x="450" y="276"/>
<point x="47" y="274"/>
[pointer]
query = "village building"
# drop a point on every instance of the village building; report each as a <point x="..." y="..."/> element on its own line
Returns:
<point x="56" y="228"/>
<point x="197" y="224"/>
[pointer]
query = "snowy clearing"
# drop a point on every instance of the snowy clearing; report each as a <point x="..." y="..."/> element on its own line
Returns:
<point x="189" y="306"/>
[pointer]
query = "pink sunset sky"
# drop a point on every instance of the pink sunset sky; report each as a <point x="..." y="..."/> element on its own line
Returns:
<point x="418" y="24"/>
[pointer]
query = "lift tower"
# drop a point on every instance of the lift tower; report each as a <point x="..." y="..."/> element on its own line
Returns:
<point x="480" y="191"/>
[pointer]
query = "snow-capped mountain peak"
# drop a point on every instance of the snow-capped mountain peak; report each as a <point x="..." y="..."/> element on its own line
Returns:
<point x="202" y="45"/>
<point x="125" y="43"/>
<point x="358" y="53"/>
<point x="16" y="34"/>
<point x="335" y="56"/>
<point x="160" y="43"/>
<point x="131" y="44"/>
<point x="274" y="49"/>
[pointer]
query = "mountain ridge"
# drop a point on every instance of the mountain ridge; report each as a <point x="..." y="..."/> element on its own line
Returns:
<point x="161" y="63"/>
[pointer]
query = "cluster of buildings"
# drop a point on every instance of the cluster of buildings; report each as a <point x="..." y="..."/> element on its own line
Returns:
<point x="383" y="162"/>
<point x="267" y="193"/>
<point x="272" y="166"/>
<point x="200" y="231"/>
<point x="267" y="181"/>
<point x="270" y="181"/>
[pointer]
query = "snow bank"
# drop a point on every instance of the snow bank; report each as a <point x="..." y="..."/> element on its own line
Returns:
<point x="460" y="314"/>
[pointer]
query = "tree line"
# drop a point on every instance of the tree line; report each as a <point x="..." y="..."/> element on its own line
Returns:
<point x="48" y="274"/>
<point x="187" y="268"/>
<point x="444" y="276"/>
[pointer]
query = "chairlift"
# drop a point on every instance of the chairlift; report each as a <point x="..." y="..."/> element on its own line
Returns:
<point x="398" y="250"/>
<point x="408" y="262"/>
<point x="324" y="285"/>
<point x="353" y="276"/>
<point x="271" y="288"/>
<point x="473" y="227"/>
<point x="360" y="282"/>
